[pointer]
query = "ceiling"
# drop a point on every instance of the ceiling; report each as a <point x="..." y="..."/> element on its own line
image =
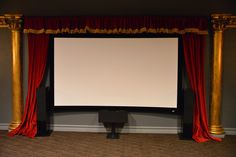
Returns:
<point x="117" y="7"/>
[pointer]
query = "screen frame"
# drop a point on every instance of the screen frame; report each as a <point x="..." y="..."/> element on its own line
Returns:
<point x="132" y="109"/>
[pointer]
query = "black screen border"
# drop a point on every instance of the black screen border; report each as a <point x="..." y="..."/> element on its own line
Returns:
<point x="180" y="91"/>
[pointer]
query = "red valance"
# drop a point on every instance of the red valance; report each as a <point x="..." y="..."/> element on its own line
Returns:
<point x="115" y="24"/>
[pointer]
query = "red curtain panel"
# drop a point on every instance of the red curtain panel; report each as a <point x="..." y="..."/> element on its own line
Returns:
<point x="193" y="46"/>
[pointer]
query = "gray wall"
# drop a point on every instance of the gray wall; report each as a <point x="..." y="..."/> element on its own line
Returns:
<point x="229" y="79"/>
<point x="129" y="7"/>
<point x="5" y="76"/>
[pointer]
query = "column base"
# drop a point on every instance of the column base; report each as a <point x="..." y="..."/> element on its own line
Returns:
<point x="218" y="135"/>
<point x="13" y="125"/>
<point x="217" y="130"/>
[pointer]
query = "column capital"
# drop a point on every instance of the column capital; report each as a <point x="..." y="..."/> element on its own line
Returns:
<point x="13" y="21"/>
<point x="220" y="21"/>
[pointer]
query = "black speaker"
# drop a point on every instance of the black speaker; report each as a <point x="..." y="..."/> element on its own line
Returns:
<point x="43" y="116"/>
<point x="188" y="106"/>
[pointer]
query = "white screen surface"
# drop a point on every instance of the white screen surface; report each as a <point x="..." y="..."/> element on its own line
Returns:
<point x="134" y="72"/>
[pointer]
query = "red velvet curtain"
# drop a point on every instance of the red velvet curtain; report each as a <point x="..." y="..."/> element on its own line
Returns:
<point x="38" y="50"/>
<point x="194" y="46"/>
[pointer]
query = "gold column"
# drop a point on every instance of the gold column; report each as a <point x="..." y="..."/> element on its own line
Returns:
<point x="14" y="24"/>
<point x="219" y="23"/>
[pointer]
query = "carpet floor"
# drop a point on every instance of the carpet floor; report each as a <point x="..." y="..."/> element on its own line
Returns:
<point x="75" y="144"/>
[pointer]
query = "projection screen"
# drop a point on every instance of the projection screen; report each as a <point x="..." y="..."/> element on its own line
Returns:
<point x="131" y="72"/>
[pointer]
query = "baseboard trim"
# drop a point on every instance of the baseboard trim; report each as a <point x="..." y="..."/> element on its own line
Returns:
<point x="4" y="126"/>
<point x="230" y="131"/>
<point x="126" y="129"/>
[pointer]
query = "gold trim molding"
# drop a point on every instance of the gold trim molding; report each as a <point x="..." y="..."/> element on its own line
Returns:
<point x="220" y="22"/>
<point x="87" y="29"/>
<point x="14" y="23"/>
